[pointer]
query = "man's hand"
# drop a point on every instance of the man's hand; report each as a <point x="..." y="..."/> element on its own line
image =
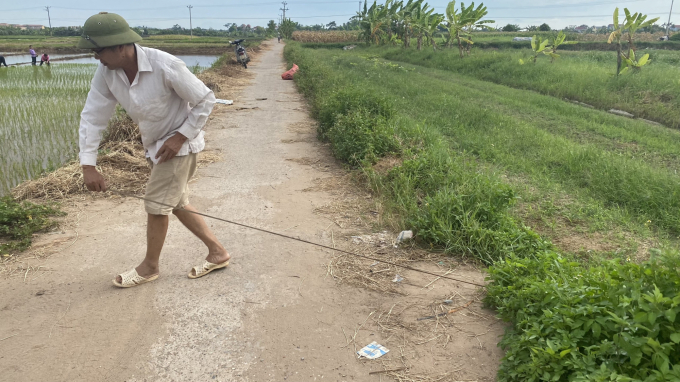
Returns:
<point x="170" y="148"/>
<point x="93" y="179"/>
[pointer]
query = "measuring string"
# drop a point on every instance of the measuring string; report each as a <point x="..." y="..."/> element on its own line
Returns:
<point x="300" y="240"/>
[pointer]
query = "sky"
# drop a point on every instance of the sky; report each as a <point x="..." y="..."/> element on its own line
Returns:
<point x="214" y="14"/>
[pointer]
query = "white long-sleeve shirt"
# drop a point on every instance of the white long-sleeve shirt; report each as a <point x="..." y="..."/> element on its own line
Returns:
<point x="165" y="98"/>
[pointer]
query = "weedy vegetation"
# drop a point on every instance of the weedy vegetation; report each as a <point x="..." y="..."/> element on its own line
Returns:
<point x="472" y="154"/>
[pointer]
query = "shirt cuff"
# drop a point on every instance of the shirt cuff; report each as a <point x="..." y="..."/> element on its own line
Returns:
<point x="88" y="159"/>
<point x="188" y="131"/>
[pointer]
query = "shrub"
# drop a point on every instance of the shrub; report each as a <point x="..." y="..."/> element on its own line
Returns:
<point x="609" y="322"/>
<point x="348" y="99"/>
<point x="360" y="135"/>
<point x="18" y="222"/>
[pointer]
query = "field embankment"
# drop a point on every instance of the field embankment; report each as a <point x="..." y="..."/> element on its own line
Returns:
<point x="173" y="44"/>
<point x="469" y="164"/>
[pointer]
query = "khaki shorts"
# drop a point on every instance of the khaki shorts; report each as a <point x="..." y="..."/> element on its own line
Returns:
<point x="169" y="184"/>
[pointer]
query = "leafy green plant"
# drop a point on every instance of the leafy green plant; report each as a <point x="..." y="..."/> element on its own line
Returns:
<point x="460" y="24"/>
<point x="613" y="321"/>
<point x="555" y="42"/>
<point x="631" y="24"/>
<point x="18" y="222"/>
<point x="538" y="46"/>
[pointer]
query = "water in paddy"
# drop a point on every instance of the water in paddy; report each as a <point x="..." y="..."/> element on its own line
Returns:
<point x="202" y="61"/>
<point x="40" y="114"/>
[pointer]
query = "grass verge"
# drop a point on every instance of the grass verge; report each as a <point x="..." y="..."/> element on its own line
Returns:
<point x="583" y="76"/>
<point x="461" y="156"/>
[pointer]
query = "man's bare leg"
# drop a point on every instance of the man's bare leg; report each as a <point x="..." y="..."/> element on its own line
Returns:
<point x="156" y="230"/>
<point x="195" y="223"/>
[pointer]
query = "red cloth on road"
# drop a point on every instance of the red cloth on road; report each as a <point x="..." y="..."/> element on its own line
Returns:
<point x="289" y="74"/>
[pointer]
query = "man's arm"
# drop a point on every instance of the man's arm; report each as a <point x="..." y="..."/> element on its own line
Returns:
<point x="201" y="100"/>
<point x="98" y="109"/>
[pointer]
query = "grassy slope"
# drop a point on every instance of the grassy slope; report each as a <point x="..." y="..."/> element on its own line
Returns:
<point x="459" y="138"/>
<point x="614" y="171"/>
<point x="584" y="76"/>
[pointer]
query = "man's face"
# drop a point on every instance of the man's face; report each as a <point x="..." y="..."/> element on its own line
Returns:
<point x="110" y="57"/>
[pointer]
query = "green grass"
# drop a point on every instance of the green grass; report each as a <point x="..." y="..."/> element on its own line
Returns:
<point x="653" y="94"/>
<point x="478" y="161"/>
<point x="20" y="220"/>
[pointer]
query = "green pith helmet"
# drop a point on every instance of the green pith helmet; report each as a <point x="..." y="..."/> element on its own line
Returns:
<point x="106" y="29"/>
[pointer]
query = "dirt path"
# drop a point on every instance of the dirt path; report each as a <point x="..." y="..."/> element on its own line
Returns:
<point x="275" y="314"/>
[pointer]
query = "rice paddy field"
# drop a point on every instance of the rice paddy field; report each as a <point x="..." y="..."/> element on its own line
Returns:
<point x="40" y="112"/>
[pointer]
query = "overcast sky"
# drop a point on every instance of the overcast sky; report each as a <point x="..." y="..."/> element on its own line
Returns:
<point x="214" y="14"/>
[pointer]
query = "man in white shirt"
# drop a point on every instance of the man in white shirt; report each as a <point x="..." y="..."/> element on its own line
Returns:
<point x="171" y="106"/>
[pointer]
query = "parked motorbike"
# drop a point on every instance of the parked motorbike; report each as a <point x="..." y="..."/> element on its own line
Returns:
<point x="240" y="51"/>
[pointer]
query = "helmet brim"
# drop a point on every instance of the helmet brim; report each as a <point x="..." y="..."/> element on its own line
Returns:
<point x="98" y="42"/>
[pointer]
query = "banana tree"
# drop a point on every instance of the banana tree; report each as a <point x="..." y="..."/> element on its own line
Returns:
<point x="473" y="17"/>
<point x="631" y="62"/>
<point x="538" y="46"/>
<point x="421" y="19"/>
<point x="431" y="26"/>
<point x="555" y="43"/>
<point x="406" y="16"/>
<point x="460" y="24"/>
<point x="371" y="21"/>
<point x="632" y="24"/>
<point x="453" y="24"/>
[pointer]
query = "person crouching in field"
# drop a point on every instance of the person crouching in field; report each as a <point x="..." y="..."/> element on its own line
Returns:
<point x="45" y="59"/>
<point x="3" y="62"/>
<point x="171" y="106"/>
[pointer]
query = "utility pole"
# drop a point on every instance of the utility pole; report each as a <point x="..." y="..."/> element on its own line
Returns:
<point x="191" y="28"/>
<point x="668" y="24"/>
<point x="49" y="18"/>
<point x="359" y="6"/>
<point x="284" y="9"/>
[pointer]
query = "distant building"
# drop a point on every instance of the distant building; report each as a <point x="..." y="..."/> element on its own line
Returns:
<point x="582" y="28"/>
<point x="23" y="27"/>
<point x="674" y="28"/>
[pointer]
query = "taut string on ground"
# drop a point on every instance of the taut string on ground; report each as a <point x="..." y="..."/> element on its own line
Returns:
<point x="301" y="240"/>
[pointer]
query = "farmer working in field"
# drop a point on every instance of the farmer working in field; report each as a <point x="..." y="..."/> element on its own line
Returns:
<point x="171" y="106"/>
<point x="45" y="59"/>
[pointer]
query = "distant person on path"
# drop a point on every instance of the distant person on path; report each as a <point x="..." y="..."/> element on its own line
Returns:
<point x="2" y="61"/>
<point x="45" y="59"/>
<point x="171" y="106"/>
<point x="34" y="56"/>
<point x="279" y="35"/>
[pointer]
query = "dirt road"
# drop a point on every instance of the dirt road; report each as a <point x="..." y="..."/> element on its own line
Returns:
<point x="275" y="314"/>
